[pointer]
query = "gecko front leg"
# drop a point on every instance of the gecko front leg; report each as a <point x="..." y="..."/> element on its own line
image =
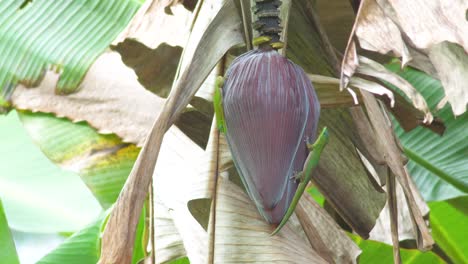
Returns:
<point x="305" y="176"/>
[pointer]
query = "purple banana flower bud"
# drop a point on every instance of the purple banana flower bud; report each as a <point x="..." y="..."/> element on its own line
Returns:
<point x="271" y="111"/>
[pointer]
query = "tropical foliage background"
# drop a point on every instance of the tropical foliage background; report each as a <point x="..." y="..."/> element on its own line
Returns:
<point x="103" y="71"/>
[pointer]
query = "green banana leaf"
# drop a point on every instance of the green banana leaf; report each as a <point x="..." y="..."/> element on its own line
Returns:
<point x="37" y="195"/>
<point x="103" y="161"/>
<point x="63" y="35"/>
<point x="81" y="247"/>
<point x="438" y="164"/>
<point x="84" y="246"/>
<point x="449" y="221"/>
<point x="7" y="245"/>
<point x="377" y="252"/>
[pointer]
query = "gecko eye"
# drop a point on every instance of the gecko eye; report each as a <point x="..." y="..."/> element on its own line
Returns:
<point x="271" y="110"/>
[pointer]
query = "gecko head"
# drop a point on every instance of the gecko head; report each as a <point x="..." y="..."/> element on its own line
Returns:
<point x="270" y="109"/>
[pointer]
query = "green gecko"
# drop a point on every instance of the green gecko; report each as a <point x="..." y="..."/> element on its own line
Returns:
<point x="315" y="150"/>
<point x="310" y="164"/>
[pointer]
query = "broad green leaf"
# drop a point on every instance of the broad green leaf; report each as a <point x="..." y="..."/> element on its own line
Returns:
<point x="102" y="161"/>
<point x="437" y="164"/>
<point x="64" y="35"/>
<point x="81" y="248"/>
<point x="78" y="146"/>
<point x="449" y="227"/>
<point x="7" y="245"/>
<point x="141" y="238"/>
<point x="84" y="247"/>
<point x="376" y="252"/>
<point x="31" y="247"/>
<point x="37" y="195"/>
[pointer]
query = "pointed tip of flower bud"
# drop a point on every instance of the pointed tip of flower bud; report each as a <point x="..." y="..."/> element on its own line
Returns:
<point x="271" y="110"/>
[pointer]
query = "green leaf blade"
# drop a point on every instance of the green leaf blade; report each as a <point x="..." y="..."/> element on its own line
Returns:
<point x="448" y="221"/>
<point x="437" y="163"/>
<point x="81" y="248"/>
<point x="68" y="35"/>
<point x="103" y="161"/>
<point x="377" y="252"/>
<point x="32" y="187"/>
<point x="7" y="245"/>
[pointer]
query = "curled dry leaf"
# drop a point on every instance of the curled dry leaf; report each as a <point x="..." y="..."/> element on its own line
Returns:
<point x="173" y="178"/>
<point x="238" y="224"/>
<point x="375" y="69"/>
<point x="151" y="18"/>
<point x="340" y="247"/>
<point x="392" y="154"/>
<point x="329" y="95"/>
<point x="155" y="68"/>
<point x="376" y="164"/>
<point x="343" y="179"/>
<point x="381" y="231"/>
<point x="392" y="206"/>
<point x="451" y="64"/>
<point x="168" y="241"/>
<point x="372" y="87"/>
<point x="106" y="100"/>
<point x="222" y="33"/>
<point x="432" y="35"/>
<point x="305" y="40"/>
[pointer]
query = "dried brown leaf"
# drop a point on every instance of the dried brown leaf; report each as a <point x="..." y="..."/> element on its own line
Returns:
<point x="349" y="64"/>
<point x="155" y="68"/>
<point x="376" y="165"/>
<point x="427" y="23"/>
<point x="416" y="30"/>
<point x="336" y="243"/>
<point x="382" y="232"/>
<point x="451" y="63"/>
<point x="285" y="12"/>
<point x="306" y="46"/>
<point x="343" y="180"/>
<point x="108" y="100"/>
<point x="150" y="25"/>
<point x="244" y="8"/>
<point x="393" y="212"/>
<point x="337" y="19"/>
<point x="175" y="170"/>
<point x="375" y="69"/>
<point x="330" y="96"/>
<point x="222" y="33"/>
<point x="328" y="92"/>
<point x="372" y="21"/>
<point x="238" y="224"/>
<point x="393" y="157"/>
<point x="168" y="242"/>
<point x="372" y="87"/>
